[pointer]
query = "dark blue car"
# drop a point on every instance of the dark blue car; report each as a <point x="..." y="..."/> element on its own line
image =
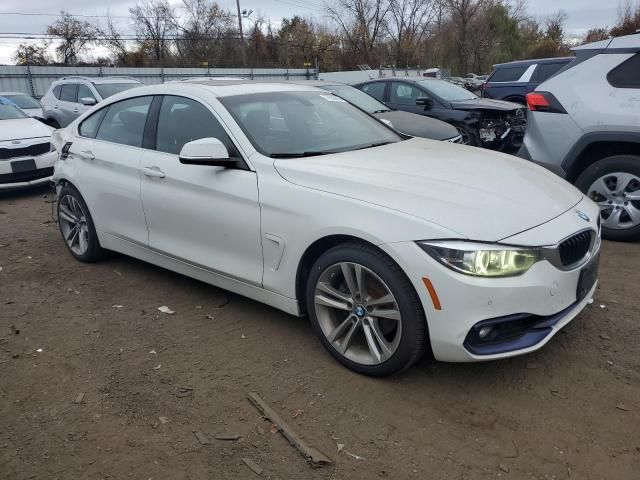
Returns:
<point x="512" y="81"/>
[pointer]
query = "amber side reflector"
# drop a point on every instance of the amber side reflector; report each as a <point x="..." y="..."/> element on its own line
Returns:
<point x="432" y="293"/>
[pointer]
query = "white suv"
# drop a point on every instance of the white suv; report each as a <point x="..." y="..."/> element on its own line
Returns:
<point x="584" y="125"/>
<point x="68" y="98"/>
<point x="292" y="196"/>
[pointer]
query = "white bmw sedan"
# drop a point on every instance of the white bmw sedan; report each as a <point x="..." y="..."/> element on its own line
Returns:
<point x="291" y="196"/>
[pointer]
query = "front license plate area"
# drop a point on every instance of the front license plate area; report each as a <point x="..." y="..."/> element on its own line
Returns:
<point x="23" y="166"/>
<point x="588" y="277"/>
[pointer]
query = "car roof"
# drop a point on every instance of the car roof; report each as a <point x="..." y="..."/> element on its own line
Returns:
<point x="220" y="88"/>
<point x="13" y="93"/>
<point x="97" y="80"/>
<point x="626" y="41"/>
<point x="534" y="61"/>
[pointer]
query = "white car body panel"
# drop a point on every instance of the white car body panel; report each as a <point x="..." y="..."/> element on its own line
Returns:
<point x="247" y="230"/>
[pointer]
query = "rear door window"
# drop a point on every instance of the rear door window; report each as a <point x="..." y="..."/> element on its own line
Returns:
<point x="508" y="74"/>
<point x="375" y="89"/>
<point x="69" y="92"/>
<point x="627" y="74"/>
<point x="124" y="122"/>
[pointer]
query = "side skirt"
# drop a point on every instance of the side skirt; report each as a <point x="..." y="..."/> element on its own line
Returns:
<point x="281" y="302"/>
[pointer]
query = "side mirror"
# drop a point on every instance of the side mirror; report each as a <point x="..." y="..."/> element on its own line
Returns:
<point x="427" y="102"/>
<point x="88" y="101"/>
<point x="206" y="151"/>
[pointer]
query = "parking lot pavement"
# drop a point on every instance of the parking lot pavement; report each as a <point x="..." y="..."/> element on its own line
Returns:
<point x="96" y="383"/>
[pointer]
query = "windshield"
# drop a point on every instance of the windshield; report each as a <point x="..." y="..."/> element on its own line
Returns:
<point x="23" y="101"/>
<point x="446" y="90"/>
<point x="107" y="89"/>
<point x="10" y="112"/>
<point x="360" y="99"/>
<point x="290" y="124"/>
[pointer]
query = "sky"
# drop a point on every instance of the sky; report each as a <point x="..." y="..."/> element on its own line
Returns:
<point x="582" y="14"/>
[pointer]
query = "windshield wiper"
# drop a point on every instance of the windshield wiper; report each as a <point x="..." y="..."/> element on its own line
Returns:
<point x="374" y="145"/>
<point x="299" y="154"/>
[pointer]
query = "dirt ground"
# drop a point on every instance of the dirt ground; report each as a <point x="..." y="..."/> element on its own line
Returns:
<point x="96" y="383"/>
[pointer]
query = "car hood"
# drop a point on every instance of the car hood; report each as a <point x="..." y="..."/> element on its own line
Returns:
<point x="478" y="194"/>
<point x="485" y="104"/>
<point x="418" y="125"/>
<point x="23" y="128"/>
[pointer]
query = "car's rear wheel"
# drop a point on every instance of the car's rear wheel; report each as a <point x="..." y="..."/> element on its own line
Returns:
<point x="76" y="226"/>
<point x="614" y="184"/>
<point x="365" y="310"/>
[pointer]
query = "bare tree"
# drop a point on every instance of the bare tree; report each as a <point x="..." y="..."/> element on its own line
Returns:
<point x="362" y="22"/>
<point x="202" y="31"/>
<point x="76" y="36"/>
<point x="409" y="21"/>
<point x="32" y="54"/>
<point x="463" y="13"/>
<point x="112" y="40"/>
<point x="155" y="24"/>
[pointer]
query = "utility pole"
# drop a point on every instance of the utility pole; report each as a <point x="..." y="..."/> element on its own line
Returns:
<point x="244" y="52"/>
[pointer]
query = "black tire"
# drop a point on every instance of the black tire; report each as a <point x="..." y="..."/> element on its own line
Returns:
<point x="469" y="134"/>
<point x="94" y="251"/>
<point x="414" y="336"/>
<point x="618" y="163"/>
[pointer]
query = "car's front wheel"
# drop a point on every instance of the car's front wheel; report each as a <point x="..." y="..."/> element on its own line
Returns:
<point x="614" y="184"/>
<point x="76" y="226"/>
<point x="365" y="310"/>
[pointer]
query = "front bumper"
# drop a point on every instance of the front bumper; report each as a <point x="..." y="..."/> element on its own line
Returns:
<point x="544" y="291"/>
<point x="40" y="175"/>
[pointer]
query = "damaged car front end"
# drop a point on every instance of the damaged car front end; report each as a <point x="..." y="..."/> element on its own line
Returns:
<point x="497" y="130"/>
<point x="481" y="122"/>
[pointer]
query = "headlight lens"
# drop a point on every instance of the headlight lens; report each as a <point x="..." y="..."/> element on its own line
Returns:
<point x="483" y="259"/>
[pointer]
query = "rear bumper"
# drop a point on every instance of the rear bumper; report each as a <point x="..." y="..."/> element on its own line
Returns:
<point x="557" y="169"/>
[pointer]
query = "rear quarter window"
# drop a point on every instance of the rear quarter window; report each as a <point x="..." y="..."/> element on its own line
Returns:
<point x="508" y="74"/>
<point x="546" y="70"/>
<point x="56" y="91"/>
<point x="627" y="74"/>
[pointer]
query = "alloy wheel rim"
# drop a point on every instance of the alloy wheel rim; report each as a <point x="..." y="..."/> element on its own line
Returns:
<point x="358" y="314"/>
<point x="73" y="225"/>
<point x="618" y="196"/>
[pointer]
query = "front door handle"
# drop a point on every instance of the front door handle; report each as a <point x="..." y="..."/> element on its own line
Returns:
<point x="86" y="155"/>
<point x="153" y="172"/>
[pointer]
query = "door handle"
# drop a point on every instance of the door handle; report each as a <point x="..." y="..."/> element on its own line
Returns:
<point x="153" y="172"/>
<point x="86" y="155"/>
<point x="75" y="110"/>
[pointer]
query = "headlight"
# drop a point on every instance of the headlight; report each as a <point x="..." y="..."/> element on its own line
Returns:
<point x="483" y="259"/>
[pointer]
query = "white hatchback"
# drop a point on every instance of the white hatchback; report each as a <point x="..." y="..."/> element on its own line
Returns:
<point x="291" y="196"/>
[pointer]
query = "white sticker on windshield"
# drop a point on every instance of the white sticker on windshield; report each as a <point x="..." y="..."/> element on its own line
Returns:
<point x="333" y="98"/>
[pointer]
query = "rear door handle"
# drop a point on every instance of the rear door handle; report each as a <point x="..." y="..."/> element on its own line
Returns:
<point x="153" y="172"/>
<point x="86" y="155"/>
<point x="75" y="110"/>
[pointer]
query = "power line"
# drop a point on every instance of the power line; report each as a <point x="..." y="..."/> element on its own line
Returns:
<point x="30" y="14"/>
